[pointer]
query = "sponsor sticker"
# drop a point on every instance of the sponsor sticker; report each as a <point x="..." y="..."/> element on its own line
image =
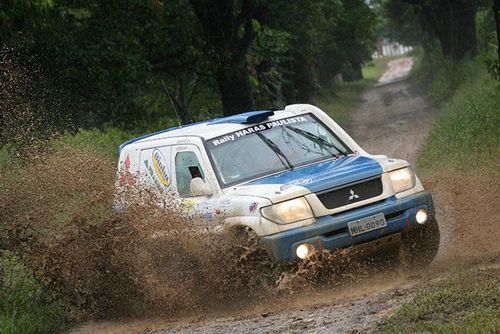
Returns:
<point x="257" y="128"/>
<point x="126" y="178"/>
<point x="160" y="167"/>
<point x="253" y="207"/>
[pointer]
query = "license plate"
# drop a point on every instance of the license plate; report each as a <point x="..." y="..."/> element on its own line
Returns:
<point x="367" y="224"/>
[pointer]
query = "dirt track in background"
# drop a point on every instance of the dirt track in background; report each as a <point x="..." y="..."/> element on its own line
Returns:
<point x="393" y="120"/>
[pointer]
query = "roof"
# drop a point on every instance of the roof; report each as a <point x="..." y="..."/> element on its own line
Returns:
<point x="216" y="127"/>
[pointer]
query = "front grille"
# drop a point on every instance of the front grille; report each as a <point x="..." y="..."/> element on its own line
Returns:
<point x="351" y="193"/>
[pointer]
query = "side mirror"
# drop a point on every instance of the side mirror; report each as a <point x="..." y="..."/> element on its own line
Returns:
<point x="199" y="187"/>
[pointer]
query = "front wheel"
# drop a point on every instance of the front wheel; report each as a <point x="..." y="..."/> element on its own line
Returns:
<point x="420" y="245"/>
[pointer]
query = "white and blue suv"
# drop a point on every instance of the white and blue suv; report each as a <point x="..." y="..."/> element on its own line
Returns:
<point x="294" y="177"/>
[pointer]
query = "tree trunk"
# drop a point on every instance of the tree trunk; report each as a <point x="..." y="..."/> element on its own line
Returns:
<point x="229" y="29"/>
<point x="304" y="80"/>
<point x="463" y="29"/>
<point x="357" y="73"/>
<point x="453" y="23"/>
<point x="496" y="10"/>
<point x="234" y="87"/>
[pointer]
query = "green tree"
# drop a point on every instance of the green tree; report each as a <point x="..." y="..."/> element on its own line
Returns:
<point x="230" y="27"/>
<point x="451" y="22"/>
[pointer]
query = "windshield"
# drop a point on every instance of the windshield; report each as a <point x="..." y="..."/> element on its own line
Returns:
<point x="272" y="147"/>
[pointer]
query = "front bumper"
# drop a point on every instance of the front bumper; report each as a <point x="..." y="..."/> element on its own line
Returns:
<point x="331" y="232"/>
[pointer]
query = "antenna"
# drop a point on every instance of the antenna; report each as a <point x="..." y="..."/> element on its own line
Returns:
<point x="165" y="89"/>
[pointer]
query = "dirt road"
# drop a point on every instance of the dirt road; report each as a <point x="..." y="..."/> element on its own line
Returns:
<point x="392" y="120"/>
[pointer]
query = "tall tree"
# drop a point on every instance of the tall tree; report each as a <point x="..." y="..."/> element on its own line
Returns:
<point x="452" y="22"/>
<point x="354" y="32"/>
<point x="230" y="26"/>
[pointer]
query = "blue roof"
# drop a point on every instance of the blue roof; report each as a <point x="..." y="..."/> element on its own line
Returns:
<point x="249" y="117"/>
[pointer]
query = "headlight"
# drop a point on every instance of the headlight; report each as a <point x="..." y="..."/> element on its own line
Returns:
<point x="288" y="212"/>
<point x="402" y="179"/>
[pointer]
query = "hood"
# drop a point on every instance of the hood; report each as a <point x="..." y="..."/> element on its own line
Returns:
<point x="324" y="174"/>
<point x="273" y="192"/>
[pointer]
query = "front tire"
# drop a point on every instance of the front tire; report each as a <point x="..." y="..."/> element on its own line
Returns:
<point x="420" y="245"/>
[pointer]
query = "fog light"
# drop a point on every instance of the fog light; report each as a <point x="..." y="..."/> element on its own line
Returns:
<point x="304" y="250"/>
<point x="421" y="216"/>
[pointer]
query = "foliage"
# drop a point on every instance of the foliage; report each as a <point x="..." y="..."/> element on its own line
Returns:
<point x="104" y="142"/>
<point x="488" y="42"/>
<point x="467" y="303"/>
<point x="105" y="61"/>
<point x="25" y="307"/>
<point x="400" y="22"/>
<point x="452" y="23"/>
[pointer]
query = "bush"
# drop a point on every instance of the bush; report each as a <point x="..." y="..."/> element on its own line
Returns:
<point x="442" y="76"/>
<point x="104" y="142"/>
<point x="25" y="307"/>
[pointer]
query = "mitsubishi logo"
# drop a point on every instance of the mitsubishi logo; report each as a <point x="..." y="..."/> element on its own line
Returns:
<point x="353" y="195"/>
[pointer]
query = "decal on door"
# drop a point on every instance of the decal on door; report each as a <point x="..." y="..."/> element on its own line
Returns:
<point x="160" y="168"/>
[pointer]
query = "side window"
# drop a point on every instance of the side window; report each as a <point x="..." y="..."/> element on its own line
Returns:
<point x="187" y="167"/>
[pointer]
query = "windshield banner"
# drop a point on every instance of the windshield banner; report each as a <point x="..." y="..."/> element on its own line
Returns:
<point x="229" y="137"/>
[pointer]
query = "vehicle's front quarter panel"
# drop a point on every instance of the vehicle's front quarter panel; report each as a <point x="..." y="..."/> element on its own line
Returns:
<point x="390" y="164"/>
<point x="244" y="210"/>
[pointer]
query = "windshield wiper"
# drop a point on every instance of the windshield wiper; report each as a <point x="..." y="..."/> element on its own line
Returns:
<point x="272" y="145"/>
<point x="318" y="140"/>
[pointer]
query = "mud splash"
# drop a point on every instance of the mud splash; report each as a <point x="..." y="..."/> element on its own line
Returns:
<point x="57" y="213"/>
<point x="467" y="211"/>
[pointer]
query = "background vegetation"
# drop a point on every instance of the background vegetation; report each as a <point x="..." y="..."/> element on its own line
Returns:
<point x="115" y="62"/>
<point x="25" y="305"/>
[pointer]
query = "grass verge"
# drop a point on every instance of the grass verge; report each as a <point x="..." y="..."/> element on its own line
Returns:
<point x="466" y="136"/>
<point x="373" y="70"/>
<point x="103" y="142"/>
<point x="464" y="142"/>
<point x="467" y="303"/>
<point x="25" y="307"/>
